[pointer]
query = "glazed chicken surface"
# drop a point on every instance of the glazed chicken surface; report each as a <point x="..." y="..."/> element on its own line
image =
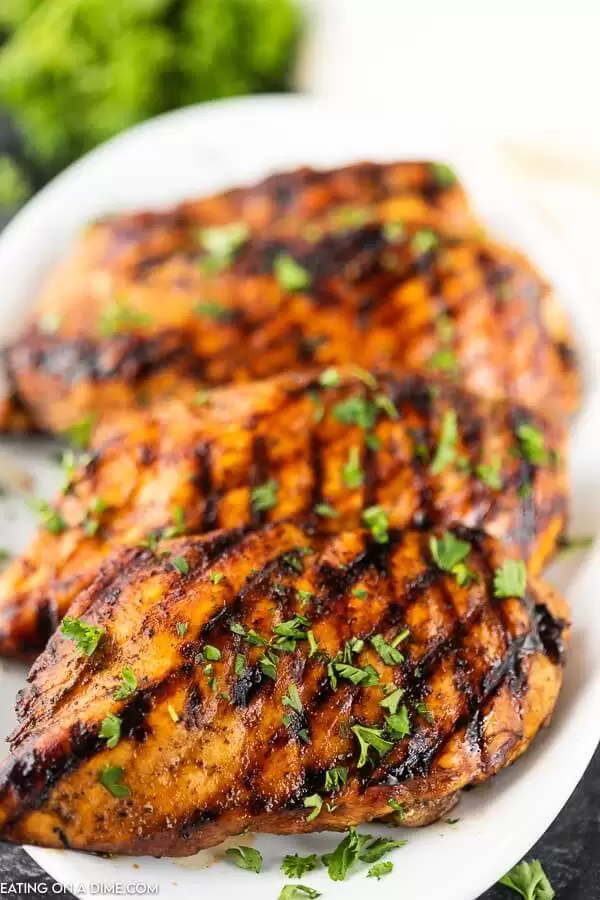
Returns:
<point x="212" y="686"/>
<point x="146" y="308"/>
<point x="327" y="447"/>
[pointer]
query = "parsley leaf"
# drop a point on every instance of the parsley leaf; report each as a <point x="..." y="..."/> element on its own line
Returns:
<point x="398" y="724"/>
<point x="290" y="274"/>
<point x="398" y="809"/>
<point x="211" y="310"/>
<point x="387" y="652"/>
<point x="80" y="432"/>
<point x="335" y="778"/>
<point x="445" y="453"/>
<point x="352" y="473"/>
<point x="510" y="580"/>
<point x="326" y="511"/>
<point x="86" y="636"/>
<point x="443" y="174"/>
<point x="245" y="858"/>
<point x="117" y="317"/>
<point x="50" y="518"/>
<point x="222" y="243"/>
<point x="376" y="520"/>
<point x="391" y="700"/>
<point x="128" y="684"/>
<point x="314" y="802"/>
<point x="297" y="892"/>
<point x="380" y="869"/>
<point x="211" y="654"/>
<point x="110" y="778"/>
<point x="296" y="866"/>
<point x="181" y="564"/>
<point x="330" y="378"/>
<point x="356" y="411"/>
<point x="529" y="880"/>
<point x="424" y="240"/>
<point x="366" y="676"/>
<point x="370" y="737"/>
<point x="449" y="554"/>
<point x="111" y="730"/>
<point x="359" y="592"/>
<point x="443" y="360"/>
<point x="345" y="855"/>
<point x="531" y="442"/>
<point x="489" y="473"/>
<point x="292" y="699"/>
<point x="264" y="496"/>
<point x="378" y="847"/>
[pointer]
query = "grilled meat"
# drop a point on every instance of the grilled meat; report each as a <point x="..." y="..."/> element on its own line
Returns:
<point x="255" y="663"/>
<point x="322" y="447"/>
<point x="470" y="308"/>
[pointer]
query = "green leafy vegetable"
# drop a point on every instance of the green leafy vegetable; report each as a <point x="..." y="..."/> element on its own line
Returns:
<point x="292" y="699"/>
<point x="510" y="580"/>
<point x="443" y="174"/>
<point x="375" y="848"/>
<point x="297" y="892"/>
<point x="315" y="803"/>
<point x="290" y="274"/>
<point x="181" y="564"/>
<point x="380" y="869"/>
<point x="326" y="511"/>
<point x="388" y="652"/>
<point x="245" y="858"/>
<point x="531" y="442"/>
<point x="489" y="473"/>
<point x="80" y="432"/>
<point x="117" y="317"/>
<point x="330" y="378"/>
<point x="445" y="453"/>
<point x="264" y="496"/>
<point x="358" y="411"/>
<point x="221" y="244"/>
<point x="398" y="725"/>
<point x="128" y="684"/>
<point x="111" y="730"/>
<point x="391" y="700"/>
<point x="352" y="472"/>
<point x="335" y="778"/>
<point x="449" y="554"/>
<point x="370" y="737"/>
<point x="110" y="778"/>
<point x="74" y="74"/>
<point x="345" y="855"/>
<point x="529" y="880"/>
<point x="424" y="241"/>
<point x="376" y="520"/>
<point x="49" y="517"/>
<point x="86" y="636"/>
<point x="296" y="866"/>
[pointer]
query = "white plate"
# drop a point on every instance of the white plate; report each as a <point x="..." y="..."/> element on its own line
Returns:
<point x="202" y="148"/>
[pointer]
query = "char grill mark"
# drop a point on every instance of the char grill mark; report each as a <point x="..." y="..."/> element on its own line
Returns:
<point x="268" y="595"/>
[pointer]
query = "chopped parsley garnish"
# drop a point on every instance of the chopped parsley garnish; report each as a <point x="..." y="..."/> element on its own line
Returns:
<point x="111" y="730"/>
<point x="367" y="676"/>
<point x="489" y="473"/>
<point x="510" y="580"/>
<point x="216" y="577"/>
<point x="178" y="528"/>
<point x="245" y="858"/>
<point x="358" y="411"/>
<point x="312" y="643"/>
<point x="352" y="473"/>
<point x="174" y="715"/>
<point x="423" y="710"/>
<point x="294" y="628"/>
<point x="110" y="778"/>
<point x="449" y="554"/>
<point x="49" y="517"/>
<point x="366" y="377"/>
<point x="359" y="592"/>
<point x="387" y="652"/>
<point x="344" y="856"/>
<point x="314" y="803"/>
<point x="211" y="310"/>
<point x="443" y="174"/>
<point x="531" y="442"/>
<point x="336" y="778"/>
<point x="376" y="520"/>
<point x="380" y="869"/>
<point x="181" y="564"/>
<point x="222" y="243"/>
<point x="345" y="218"/>
<point x="392" y="700"/>
<point x="290" y="274"/>
<point x="393" y="231"/>
<point x="326" y="511"/>
<point x="529" y="880"/>
<point x="128" y="684"/>
<point x="292" y="699"/>
<point x="383" y="402"/>
<point x="181" y="628"/>
<point x="86" y="636"/>
<point x="446" y="448"/>
<point x="118" y="317"/>
<point x="240" y="664"/>
<point x="452" y="821"/>
<point x="398" y="808"/>
<point x="444" y="360"/>
<point x="305" y="596"/>
<point x="296" y="866"/>
<point x="330" y="378"/>
<point x="298" y="892"/>
<point x="80" y="432"/>
<point x="211" y="654"/>
<point x="370" y="737"/>
<point x="264" y="496"/>
<point x="378" y="847"/>
<point x="424" y="240"/>
<point x="398" y="724"/>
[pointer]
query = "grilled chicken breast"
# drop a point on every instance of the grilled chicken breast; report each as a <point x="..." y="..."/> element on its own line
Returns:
<point x="251" y="665"/>
<point x="222" y="309"/>
<point x="324" y="447"/>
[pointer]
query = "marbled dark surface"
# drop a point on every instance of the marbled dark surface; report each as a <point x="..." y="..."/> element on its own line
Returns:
<point x="569" y="851"/>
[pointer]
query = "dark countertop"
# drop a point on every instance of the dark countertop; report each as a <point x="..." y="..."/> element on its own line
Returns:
<point x="569" y="850"/>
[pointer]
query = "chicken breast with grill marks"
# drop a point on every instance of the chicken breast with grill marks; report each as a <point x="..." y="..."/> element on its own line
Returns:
<point x="250" y="665"/>
<point x="324" y="447"/>
<point x="378" y="296"/>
